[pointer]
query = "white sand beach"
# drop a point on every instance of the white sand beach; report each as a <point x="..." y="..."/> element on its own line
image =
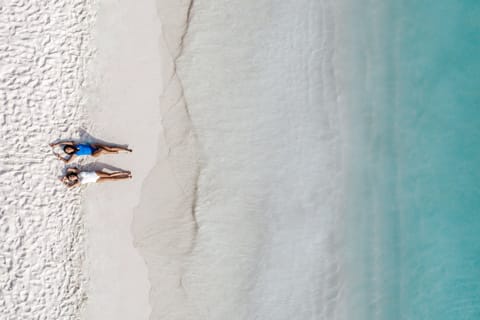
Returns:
<point x="293" y="159"/>
<point x="236" y="160"/>
<point x="136" y="97"/>
<point x="125" y="89"/>
<point x="84" y="71"/>
<point x="44" y="51"/>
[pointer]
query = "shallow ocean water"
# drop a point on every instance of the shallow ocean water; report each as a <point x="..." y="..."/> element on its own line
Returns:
<point x="413" y="216"/>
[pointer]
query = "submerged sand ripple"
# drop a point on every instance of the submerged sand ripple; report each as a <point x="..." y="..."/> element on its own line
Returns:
<point x="252" y="110"/>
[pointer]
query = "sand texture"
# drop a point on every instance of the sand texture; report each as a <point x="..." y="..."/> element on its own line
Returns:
<point x="43" y="54"/>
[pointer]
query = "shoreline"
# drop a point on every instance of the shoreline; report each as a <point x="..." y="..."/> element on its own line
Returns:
<point x="157" y="235"/>
<point x="139" y="241"/>
<point x="164" y="225"/>
<point x="133" y="82"/>
<point x="250" y="188"/>
<point x="291" y="160"/>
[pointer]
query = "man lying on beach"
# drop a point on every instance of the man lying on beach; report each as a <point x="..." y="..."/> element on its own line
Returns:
<point x="72" y="149"/>
<point x="75" y="177"/>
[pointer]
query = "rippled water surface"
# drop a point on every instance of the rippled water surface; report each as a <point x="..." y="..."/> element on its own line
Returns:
<point x="414" y="196"/>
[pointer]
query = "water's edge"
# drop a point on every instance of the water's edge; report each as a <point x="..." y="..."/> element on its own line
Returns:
<point x="164" y="225"/>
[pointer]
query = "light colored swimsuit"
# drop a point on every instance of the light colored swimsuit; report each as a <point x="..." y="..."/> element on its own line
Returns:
<point x="88" y="177"/>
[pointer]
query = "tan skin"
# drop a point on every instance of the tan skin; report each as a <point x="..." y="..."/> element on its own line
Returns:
<point x="71" y="178"/>
<point x="69" y="147"/>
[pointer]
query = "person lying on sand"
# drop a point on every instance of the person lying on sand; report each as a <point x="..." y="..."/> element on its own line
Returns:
<point x="75" y="177"/>
<point x="72" y="149"/>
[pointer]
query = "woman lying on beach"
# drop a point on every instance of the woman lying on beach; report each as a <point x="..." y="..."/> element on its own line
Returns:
<point x="72" y="149"/>
<point x="74" y="176"/>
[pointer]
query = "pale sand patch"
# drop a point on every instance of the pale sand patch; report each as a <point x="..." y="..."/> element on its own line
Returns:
<point x="130" y="105"/>
<point x="136" y="98"/>
<point x="124" y="107"/>
<point x="43" y="55"/>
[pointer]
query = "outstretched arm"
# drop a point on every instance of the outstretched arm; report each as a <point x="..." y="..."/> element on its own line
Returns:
<point x="66" y="143"/>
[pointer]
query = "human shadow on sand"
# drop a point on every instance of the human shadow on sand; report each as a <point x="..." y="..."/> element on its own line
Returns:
<point x="86" y="137"/>
<point x="94" y="166"/>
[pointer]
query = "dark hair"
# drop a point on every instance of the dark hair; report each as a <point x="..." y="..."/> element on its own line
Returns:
<point x="69" y="146"/>
<point x="71" y="174"/>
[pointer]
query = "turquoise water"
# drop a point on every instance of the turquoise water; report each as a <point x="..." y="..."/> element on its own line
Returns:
<point x="414" y="204"/>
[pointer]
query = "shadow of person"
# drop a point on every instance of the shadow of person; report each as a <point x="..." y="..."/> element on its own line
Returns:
<point x="94" y="166"/>
<point x="86" y="137"/>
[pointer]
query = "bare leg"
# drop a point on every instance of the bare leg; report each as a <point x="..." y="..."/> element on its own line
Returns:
<point x="103" y="179"/>
<point x="109" y="149"/>
<point x="103" y="174"/>
<point x="99" y="152"/>
<point x="117" y="149"/>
